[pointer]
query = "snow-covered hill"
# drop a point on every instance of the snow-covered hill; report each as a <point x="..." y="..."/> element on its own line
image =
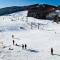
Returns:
<point x="19" y="20"/>
<point x="39" y="35"/>
<point x="22" y="13"/>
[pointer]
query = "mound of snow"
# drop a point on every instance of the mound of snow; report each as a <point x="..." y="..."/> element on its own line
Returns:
<point x="22" y="13"/>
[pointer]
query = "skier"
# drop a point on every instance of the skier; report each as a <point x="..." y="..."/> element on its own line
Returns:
<point x="13" y="42"/>
<point x="51" y="51"/>
<point x="22" y="46"/>
<point x="25" y="46"/>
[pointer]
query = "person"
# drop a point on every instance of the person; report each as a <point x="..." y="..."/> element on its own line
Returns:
<point x="13" y="42"/>
<point x="17" y="44"/>
<point x="12" y="36"/>
<point x="51" y="51"/>
<point x="25" y="46"/>
<point x="22" y="46"/>
<point x="10" y="48"/>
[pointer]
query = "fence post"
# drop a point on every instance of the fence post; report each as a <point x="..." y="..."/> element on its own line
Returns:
<point x="38" y="25"/>
<point x="31" y="25"/>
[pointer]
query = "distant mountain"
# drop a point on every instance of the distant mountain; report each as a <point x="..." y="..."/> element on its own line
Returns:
<point x="13" y="9"/>
<point x="41" y="11"/>
<point x="9" y="10"/>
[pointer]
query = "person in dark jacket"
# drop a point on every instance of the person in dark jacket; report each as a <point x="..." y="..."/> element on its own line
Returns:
<point x="13" y="42"/>
<point x="12" y="36"/>
<point x="25" y="46"/>
<point x="22" y="46"/>
<point x="51" y="51"/>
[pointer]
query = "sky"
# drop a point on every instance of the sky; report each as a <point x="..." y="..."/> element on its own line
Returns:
<point x="8" y="3"/>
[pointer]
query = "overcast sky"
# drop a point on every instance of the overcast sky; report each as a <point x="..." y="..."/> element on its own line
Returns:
<point x="8" y="3"/>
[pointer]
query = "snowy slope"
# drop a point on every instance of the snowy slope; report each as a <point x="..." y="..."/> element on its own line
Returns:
<point x="39" y="41"/>
<point x="22" y="13"/>
<point x="16" y="20"/>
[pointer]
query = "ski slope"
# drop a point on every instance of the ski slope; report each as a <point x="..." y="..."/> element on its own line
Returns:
<point x="39" y="41"/>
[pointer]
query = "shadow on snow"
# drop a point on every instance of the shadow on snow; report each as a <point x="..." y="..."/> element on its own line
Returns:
<point x="31" y="50"/>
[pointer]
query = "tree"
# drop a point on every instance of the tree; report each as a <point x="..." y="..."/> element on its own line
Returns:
<point x="56" y="18"/>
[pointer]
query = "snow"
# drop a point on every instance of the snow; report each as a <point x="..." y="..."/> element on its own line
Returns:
<point x="39" y="41"/>
<point x="22" y="13"/>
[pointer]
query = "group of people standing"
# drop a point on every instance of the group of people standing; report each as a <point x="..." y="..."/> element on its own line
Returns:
<point x="24" y="46"/>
